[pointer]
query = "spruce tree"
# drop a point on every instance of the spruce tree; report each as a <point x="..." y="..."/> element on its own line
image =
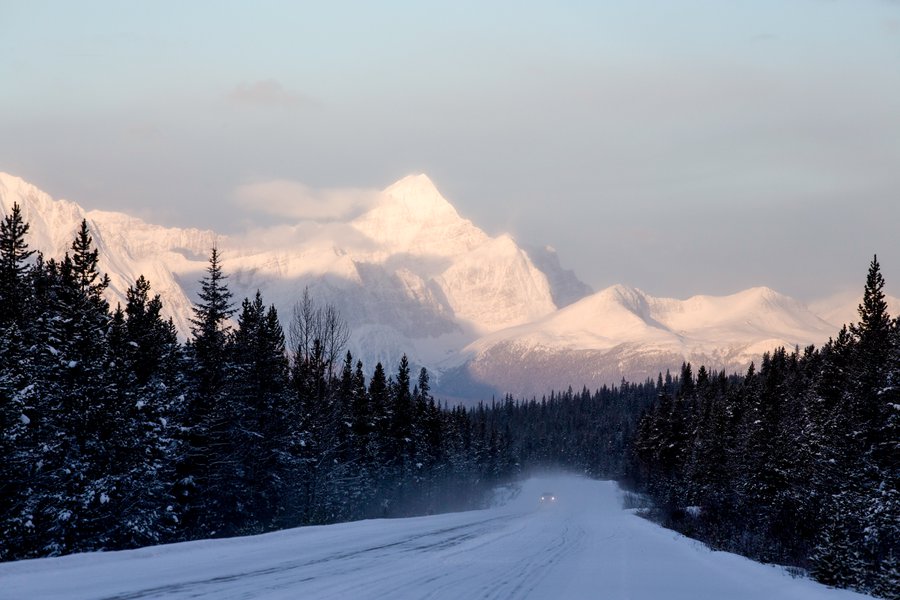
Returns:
<point x="250" y="479"/>
<point x="210" y="329"/>
<point x="208" y="351"/>
<point x="871" y="403"/>
<point x="14" y="255"/>
<point x="151" y="344"/>
<point x="384" y="453"/>
<point x="16" y="450"/>
<point x="873" y="335"/>
<point x="144" y="392"/>
<point x="402" y="426"/>
<point x="18" y="453"/>
<point x="874" y="327"/>
<point x="87" y="402"/>
<point x="85" y="260"/>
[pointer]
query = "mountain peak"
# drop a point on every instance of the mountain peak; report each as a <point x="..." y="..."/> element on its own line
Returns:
<point x="418" y="200"/>
<point x="417" y="183"/>
<point x="761" y="291"/>
<point x="412" y="216"/>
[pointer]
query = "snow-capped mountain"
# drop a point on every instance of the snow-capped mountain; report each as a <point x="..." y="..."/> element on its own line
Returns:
<point x="128" y="246"/>
<point x="624" y="332"/>
<point x="410" y="275"/>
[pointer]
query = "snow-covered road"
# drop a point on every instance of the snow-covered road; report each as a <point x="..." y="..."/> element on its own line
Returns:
<point x="585" y="546"/>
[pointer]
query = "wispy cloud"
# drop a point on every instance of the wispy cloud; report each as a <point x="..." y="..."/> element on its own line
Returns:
<point x="268" y="92"/>
<point x="298" y="201"/>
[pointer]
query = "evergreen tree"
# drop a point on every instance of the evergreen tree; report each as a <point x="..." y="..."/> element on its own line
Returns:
<point x="16" y="450"/>
<point x="251" y="474"/>
<point x="85" y="259"/>
<point x="152" y="343"/>
<point x="872" y="418"/>
<point x="14" y="255"/>
<point x="210" y="329"/>
<point x="205" y="432"/>
<point x="18" y="453"/>
<point x="402" y="426"/>
<point x="873" y="335"/>
<point x="383" y="451"/>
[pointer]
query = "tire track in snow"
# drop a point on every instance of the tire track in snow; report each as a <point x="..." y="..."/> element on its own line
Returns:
<point x="437" y="571"/>
<point x="195" y="588"/>
<point x="529" y="572"/>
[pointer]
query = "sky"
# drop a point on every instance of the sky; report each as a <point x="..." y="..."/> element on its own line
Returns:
<point x="681" y="146"/>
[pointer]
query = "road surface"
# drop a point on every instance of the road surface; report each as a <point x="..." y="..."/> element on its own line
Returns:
<point x="584" y="546"/>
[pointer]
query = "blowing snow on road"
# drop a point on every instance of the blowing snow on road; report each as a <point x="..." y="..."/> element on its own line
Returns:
<point x="583" y="545"/>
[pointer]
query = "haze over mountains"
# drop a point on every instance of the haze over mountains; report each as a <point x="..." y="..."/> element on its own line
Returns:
<point x="410" y="275"/>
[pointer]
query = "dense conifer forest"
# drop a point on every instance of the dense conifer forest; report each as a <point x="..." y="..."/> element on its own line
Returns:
<point x="114" y="434"/>
<point x="797" y="462"/>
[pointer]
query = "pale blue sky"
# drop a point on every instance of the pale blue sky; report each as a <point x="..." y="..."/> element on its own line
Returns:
<point x="680" y="146"/>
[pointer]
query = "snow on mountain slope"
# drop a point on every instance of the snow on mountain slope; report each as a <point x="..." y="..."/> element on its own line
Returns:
<point x="411" y="217"/>
<point x="585" y="546"/>
<point x="622" y="314"/>
<point x="623" y="332"/>
<point x="749" y="317"/>
<point x="409" y="274"/>
<point x="53" y="222"/>
<point x="128" y="247"/>
<point x="496" y="285"/>
<point x="412" y="276"/>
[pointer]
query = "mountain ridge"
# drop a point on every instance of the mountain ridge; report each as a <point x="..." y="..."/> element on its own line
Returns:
<point x="622" y="332"/>
<point x="416" y="277"/>
<point x="426" y="281"/>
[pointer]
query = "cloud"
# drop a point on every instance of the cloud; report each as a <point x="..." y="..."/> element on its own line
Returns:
<point x="322" y="238"/>
<point x="268" y="92"/>
<point x="298" y="201"/>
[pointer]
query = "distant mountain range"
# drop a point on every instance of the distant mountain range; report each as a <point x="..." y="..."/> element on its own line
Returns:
<point x="410" y="275"/>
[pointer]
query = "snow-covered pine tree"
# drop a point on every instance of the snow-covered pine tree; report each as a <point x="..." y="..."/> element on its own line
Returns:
<point x="250" y="479"/>
<point x="71" y="353"/>
<point x="402" y="421"/>
<point x="208" y="364"/>
<point x="363" y="445"/>
<point x="382" y="450"/>
<point x="141" y="473"/>
<point x="836" y="559"/>
<point x="17" y="454"/>
<point x="870" y="417"/>
<point x="14" y="258"/>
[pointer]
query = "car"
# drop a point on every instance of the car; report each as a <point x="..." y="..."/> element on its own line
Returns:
<point x="548" y="498"/>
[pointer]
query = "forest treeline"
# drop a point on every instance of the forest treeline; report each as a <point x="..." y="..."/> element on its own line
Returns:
<point x="114" y="434"/>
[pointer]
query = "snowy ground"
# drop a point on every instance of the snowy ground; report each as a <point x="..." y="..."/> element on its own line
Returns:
<point x="585" y="546"/>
